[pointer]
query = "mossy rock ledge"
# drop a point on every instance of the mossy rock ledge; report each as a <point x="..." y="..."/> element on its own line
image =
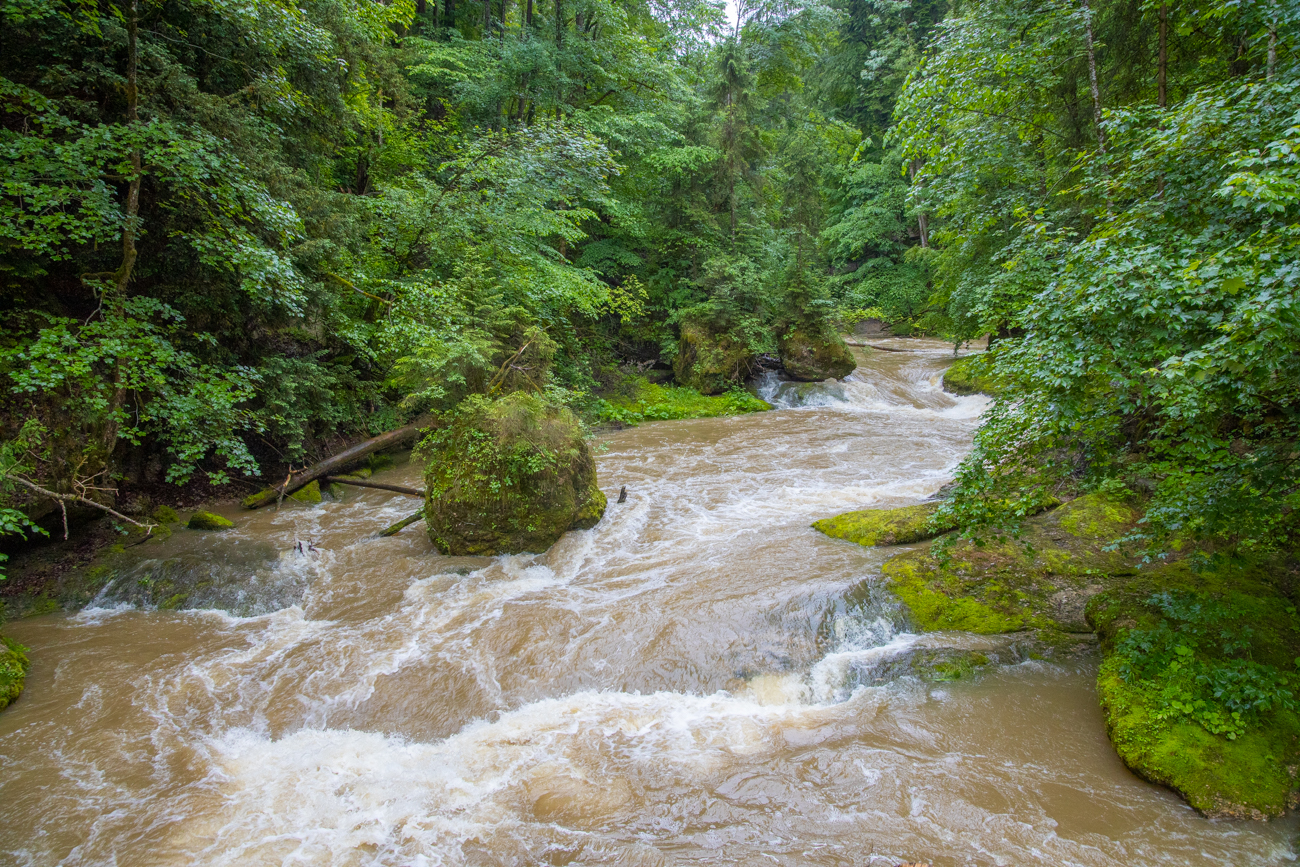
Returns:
<point x="13" y="670"/>
<point x="971" y="374"/>
<point x="509" y="476"/>
<point x="880" y="527"/>
<point x="1172" y="639"/>
<point x="708" y="362"/>
<point x="812" y="356"/>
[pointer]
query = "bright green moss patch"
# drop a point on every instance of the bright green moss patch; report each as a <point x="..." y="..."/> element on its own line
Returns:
<point x="1039" y="581"/>
<point x="647" y="401"/>
<point x="1200" y="685"/>
<point x="14" y="666"/>
<point x="971" y="374"/>
<point x="310" y="494"/>
<point x="1247" y="776"/>
<point x="208" y="521"/>
<point x="883" y="526"/>
<point x="1095" y="516"/>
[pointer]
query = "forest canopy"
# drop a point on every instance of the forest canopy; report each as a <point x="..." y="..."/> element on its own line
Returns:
<point x="236" y="234"/>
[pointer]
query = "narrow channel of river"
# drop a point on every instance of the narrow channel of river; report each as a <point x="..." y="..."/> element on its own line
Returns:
<point x="701" y="679"/>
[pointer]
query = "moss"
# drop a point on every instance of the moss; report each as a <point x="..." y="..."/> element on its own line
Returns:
<point x="812" y="355"/>
<point x="208" y="521"/>
<point x="360" y="474"/>
<point x="1246" y="777"/>
<point x="1168" y="634"/>
<point x="14" y="666"/>
<point x="509" y="476"/>
<point x="709" y="362"/>
<point x="646" y="401"/>
<point x="1096" y="516"/>
<point x="871" y="527"/>
<point x="971" y="374"/>
<point x="164" y="515"/>
<point x="1038" y="581"/>
<point x="309" y="493"/>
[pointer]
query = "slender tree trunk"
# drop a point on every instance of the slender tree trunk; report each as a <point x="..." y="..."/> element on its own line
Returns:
<point x="487" y="18"/>
<point x="1092" y="77"/>
<point x="1272" y="48"/>
<point x="528" y="17"/>
<point x="1162" y="59"/>
<point x="451" y="13"/>
<point x="559" y="29"/>
<point x="922" y="219"/>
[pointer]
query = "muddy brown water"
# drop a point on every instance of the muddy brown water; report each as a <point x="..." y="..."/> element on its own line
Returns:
<point x="697" y="680"/>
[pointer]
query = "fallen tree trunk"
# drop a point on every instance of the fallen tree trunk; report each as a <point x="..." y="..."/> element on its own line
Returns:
<point x="403" y="524"/>
<point x="357" y="483"/>
<point x="304" y="477"/>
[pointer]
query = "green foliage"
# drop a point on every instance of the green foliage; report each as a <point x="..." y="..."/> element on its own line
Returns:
<point x="14" y="666"/>
<point x="1139" y="278"/>
<point x="1192" y="659"/>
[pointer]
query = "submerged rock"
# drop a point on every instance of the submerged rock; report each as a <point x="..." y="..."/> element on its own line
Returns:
<point x="708" y="362"/>
<point x="208" y="521"/>
<point x="509" y="476"/>
<point x="812" y="355"/>
<point x="871" y="527"/>
<point x="14" y="666"/>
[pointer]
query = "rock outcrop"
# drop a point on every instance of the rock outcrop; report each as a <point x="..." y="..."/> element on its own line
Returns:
<point x="812" y="355"/>
<point x="971" y="374"/>
<point x="708" y="362"/>
<point x="508" y="476"/>
<point x="1198" y="681"/>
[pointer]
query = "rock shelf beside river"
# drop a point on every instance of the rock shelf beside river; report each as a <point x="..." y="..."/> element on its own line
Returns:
<point x="1175" y="637"/>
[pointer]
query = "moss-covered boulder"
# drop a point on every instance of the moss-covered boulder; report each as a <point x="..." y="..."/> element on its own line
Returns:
<point x="1040" y="581"/>
<point x="508" y="476"/>
<point x="972" y="374"/>
<point x="871" y="527"/>
<point x="709" y="362"/>
<point x="14" y="666"/>
<point x="1199" y="684"/>
<point x="208" y="521"/>
<point x="813" y="355"/>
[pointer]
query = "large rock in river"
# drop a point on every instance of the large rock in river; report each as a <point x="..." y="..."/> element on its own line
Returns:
<point x="813" y="355"/>
<point x="709" y="362"/>
<point x="508" y="476"/>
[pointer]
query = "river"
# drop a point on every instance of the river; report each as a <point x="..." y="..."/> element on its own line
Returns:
<point x="701" y="679"/>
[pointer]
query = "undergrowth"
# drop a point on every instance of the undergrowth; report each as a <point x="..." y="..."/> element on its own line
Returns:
<point x="648" y="401"/>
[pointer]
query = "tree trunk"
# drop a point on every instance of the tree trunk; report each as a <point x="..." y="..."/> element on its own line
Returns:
<point x="1092" y="77"/>
<point x="451" y="13"/>
<point x="1271" y="69"/>
<point x="1162" y="59"/>
<point x="403" y="524"/>
<point x="487" y="18"/>
<point x="304" y="477"/>
<point x="358" y="483"/>
<point x="528" y="16"/>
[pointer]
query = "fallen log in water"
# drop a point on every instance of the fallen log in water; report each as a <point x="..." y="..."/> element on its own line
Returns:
<point x="397" y="489"/>
<point x="403" y="524"/>
<point x="304" y="477"/>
